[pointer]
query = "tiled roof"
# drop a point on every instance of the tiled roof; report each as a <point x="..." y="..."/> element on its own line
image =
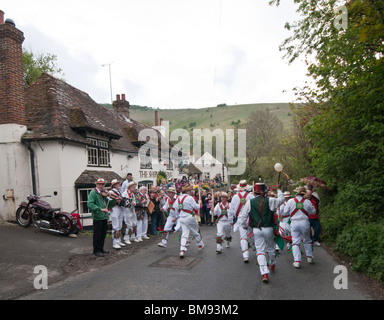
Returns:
<point x="58" y="111"/>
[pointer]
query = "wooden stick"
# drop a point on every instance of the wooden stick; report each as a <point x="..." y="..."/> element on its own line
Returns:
<point x="213" y="207"/>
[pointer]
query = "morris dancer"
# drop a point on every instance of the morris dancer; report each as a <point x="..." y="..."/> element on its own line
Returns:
<point x="172" y="213"/>
<point x="142" y="214"/>
<point x="260" y="212"/>
<point x="299" y="209"/>
<point x="130" y="218"/>
<point x="224" y="222"/>
<point x="185" y="205"/>
<point x="236" y="208"/>
<point x="117" y="215"/>
<point x="284" y="218"/>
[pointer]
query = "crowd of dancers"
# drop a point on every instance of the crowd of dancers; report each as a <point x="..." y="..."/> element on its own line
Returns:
<point x="265" y="221"/>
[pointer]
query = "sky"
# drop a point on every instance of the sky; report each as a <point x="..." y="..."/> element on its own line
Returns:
<point x="165" y="53"/>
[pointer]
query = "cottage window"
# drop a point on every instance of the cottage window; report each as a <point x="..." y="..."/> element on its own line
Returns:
<point x="98" y="153"/>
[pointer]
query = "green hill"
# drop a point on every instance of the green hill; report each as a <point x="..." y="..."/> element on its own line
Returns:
<point x="222" y="116"/>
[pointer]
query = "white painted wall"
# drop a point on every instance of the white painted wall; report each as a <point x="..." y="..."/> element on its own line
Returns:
<point x="15" y="173"/>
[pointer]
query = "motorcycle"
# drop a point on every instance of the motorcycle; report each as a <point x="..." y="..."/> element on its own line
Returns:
<point x="40" y="214"/>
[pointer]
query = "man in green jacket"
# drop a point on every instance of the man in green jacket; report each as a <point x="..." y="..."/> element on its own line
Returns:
<point x="99" y="204"/>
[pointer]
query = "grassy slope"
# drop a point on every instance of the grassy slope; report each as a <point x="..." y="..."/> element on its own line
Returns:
<point x="217" y="117"/>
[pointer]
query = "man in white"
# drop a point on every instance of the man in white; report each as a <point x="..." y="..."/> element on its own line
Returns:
<point x="260" y="213"/>
<point x="185" y="205"/>
<point x="299" y="208"/>
<point x="237" y="208"/>
<point x="130" y="218"/>
<point x="117" y="215"/>
<point x="284" y="218"/>
<point x="224" y="223"/>
<point x="141" y="210"/>
<point x="170" y="209"/>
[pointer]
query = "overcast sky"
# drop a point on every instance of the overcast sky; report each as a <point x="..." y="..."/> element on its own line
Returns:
<point x="165" y="53"/>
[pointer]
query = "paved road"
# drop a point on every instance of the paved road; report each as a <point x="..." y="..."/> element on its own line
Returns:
<point x="146" y="276"/>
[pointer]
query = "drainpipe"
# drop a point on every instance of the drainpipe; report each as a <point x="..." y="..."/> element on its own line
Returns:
<point x="32" y="159"/>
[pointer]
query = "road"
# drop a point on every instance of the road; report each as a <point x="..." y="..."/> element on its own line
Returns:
<point x="156" y="274"/>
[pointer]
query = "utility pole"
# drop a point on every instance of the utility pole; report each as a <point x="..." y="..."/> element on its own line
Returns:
<point x="110" y="78"/>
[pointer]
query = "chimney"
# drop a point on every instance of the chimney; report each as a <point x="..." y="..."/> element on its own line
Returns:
<point x="156" y="118"/>
<point x="12" y="107"/>
<point x="161" y="121"/>
<point x="121" y="106"/>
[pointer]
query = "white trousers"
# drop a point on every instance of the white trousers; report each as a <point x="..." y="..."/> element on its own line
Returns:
<point x="286" y="227"/>
<point x="224" y="229"/>
<point x="142" y="226"/>
<point x="189" y="225"/>
<point x="243" y="233"/>
<point x="130" y="220"/>
<point x="168" y="228"/>
<point x="117" y="216"/>
<point x="300" y="230"/>
<point x="265" y="248"/>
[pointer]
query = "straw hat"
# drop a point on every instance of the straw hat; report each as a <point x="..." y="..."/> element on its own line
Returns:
<point x="100" y="181"/>
<point x="287" y="194"/>
<point x="224" y="195"/>
<point x="186" y="188"/>
<point x="171" y="189"/>
<point x="114" y="181"/>
<point x="242" y="185"/>
<point x="132" y="183"/>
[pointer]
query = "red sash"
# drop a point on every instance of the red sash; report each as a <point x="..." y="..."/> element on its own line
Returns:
<point x="181" y="205"/>
<point x="225" y="208"/>
<point x="241" y="204"/>
<point x="298" y="207"/>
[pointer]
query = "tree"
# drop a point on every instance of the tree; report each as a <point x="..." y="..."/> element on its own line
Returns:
<point x="346" y="133"/>
<point x="36" y="65"/>
<point x="264" y="131"/>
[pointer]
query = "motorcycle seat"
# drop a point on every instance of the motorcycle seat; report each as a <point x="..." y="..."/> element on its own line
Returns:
<point x="54" y="209"/>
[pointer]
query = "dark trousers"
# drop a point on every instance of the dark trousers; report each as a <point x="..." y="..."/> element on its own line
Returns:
<point x="315" y="224"/>
<point x="99" y="232"/>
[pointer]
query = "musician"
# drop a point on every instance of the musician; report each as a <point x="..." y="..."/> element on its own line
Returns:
<point x="172" y="214"/>
<point x="236" y="208"/>
<point x="117" y="215"/>
<point x="130" y="218"/>
<point x="142" y="201"/>
<point x="99" y="204"/>
<point x="300" y="209"/>
<point x="186" y="205"/>
<point x="224" y="223"/>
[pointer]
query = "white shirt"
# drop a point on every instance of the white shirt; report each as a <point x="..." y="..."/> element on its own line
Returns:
<point x="274" y="203"/>
<point x="174" y="212"/>
<point x="217" y="212"/>
<point x="235" y="202"/>
<point x="188" y="204"/>
<point x="299" y="215"/>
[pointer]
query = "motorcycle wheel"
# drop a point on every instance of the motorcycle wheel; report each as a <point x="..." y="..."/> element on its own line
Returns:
<point x="22" y="217"/>
<point x="64" y="224"/>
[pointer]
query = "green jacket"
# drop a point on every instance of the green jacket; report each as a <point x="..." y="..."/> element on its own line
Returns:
<point x="96" y="202"/>
<point x="261" y="219"/>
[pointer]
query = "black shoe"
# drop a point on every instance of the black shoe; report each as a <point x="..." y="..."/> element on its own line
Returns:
<point x="105" y="252"/>
<point x="99" y="254"/>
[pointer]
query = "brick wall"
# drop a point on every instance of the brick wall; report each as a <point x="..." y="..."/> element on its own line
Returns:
<point x="12" y="106"/>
